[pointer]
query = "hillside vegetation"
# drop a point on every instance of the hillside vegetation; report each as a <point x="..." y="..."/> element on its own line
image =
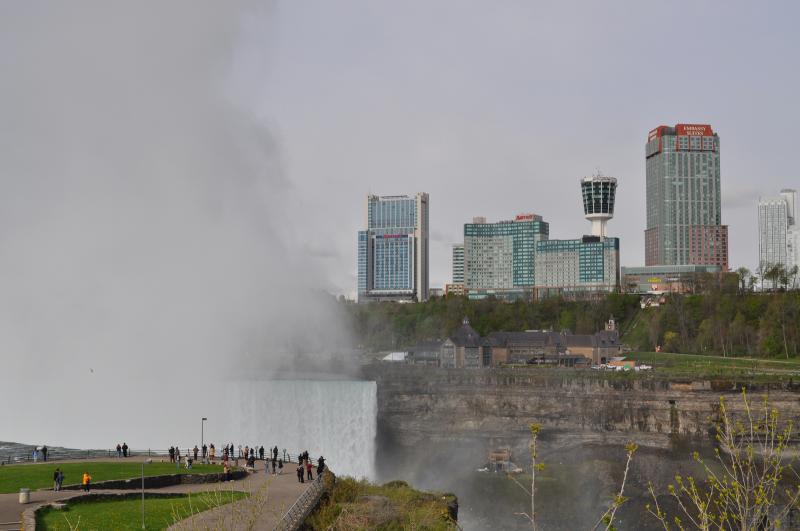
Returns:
<point x="725" y="321"/>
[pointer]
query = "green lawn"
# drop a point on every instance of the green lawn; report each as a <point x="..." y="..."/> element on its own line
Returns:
<point x="159" y="513"/>
<point x="37" y="476"/>
<point x="696" y="364"/>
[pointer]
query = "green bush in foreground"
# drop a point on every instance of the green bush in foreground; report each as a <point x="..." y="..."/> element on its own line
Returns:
<point x="122" y="514"/>
<point x="355" y="504"/>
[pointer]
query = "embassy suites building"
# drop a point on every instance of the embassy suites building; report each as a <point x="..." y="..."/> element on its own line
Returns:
<point x="684" y="205"/>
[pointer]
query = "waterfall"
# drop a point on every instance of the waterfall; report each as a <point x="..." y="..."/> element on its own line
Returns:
<point x="333" y="418"/>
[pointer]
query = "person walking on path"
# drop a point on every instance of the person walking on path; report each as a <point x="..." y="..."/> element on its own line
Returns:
<point x="280" y="466"/>
<point x="119" y="451"/>
<point x="261" y="453"/>
<point x="87" y="481"/>
<point x="124" y="449"/>
<point x="56" y="475"/>
<point x="320" y="465"/>
<point x="44" y="452"/>
<point x="177" y="456"/>
<point x="196" y="449"/>
<point x="205" y="451"/>
<point x="171" y="454"/>
<point x="275" y="452"/>
<point x="212" y="449"/>
<point x="308" y="470"/>
<point x="226" y="467"/>
<point x="300" y="473"/>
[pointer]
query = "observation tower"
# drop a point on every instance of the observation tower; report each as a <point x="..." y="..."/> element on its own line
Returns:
<point x="598" y="201"/>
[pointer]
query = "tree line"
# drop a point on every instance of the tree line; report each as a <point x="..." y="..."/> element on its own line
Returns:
<point x="726" y="317"/>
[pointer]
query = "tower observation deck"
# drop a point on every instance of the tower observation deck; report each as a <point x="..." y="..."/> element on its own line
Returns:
<point x="598" y="193"/>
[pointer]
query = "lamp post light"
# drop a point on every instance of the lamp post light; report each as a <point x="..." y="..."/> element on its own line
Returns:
<point x="145" y="461"/>
<point x="202" y="440"/>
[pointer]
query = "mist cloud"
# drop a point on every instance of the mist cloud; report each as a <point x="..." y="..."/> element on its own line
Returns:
<point x="145" y="220"/>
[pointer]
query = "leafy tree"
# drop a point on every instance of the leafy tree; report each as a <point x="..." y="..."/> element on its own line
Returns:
<point x="749" y="488"/>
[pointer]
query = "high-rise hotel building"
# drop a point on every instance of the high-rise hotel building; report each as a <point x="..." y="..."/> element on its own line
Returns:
<point x="393" y="250"/>
<point x="684" y="206"/>
<point x="499" y="257"/>
<point x="778" y="234"/>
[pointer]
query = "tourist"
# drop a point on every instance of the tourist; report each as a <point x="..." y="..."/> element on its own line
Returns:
<point x="205" y="451"/>
<point x="124" y="449"/>
<point x="273" y="467"/>
<point x="275" y="452"/>
<point x="60" y="479"/>
<point x="87" y="480"/>
<point x="177" y="456"/>
<point x="300" y="473"/>
<point x="261" y="453"/>
<point x="171" y="454"/>
<point x="196" y="449"/>
<point x="320" y="465"/>
<point x="44" y="452"/>
<point x="56" y="475"/>
<point x="119" y="451"/>
<point x="213" y="451"/>
<point x="226" y="467"/>
<point x="35" y="455"/>
<point x="308" y="469"/>
<point x="280" y="466"/>
<point x="251" y="462"/>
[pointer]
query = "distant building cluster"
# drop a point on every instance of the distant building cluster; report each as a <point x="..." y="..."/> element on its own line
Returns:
<point x="516" y="258"/>
<point x="466" y="349"/>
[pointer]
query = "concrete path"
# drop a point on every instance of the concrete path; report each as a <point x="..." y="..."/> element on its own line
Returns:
<point x="270" y="496"/>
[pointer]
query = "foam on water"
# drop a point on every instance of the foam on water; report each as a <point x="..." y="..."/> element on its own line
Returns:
<point x="334" y="418"/>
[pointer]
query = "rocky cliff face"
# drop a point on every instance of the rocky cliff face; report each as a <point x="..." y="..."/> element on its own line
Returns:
<point x="421" y="405"/>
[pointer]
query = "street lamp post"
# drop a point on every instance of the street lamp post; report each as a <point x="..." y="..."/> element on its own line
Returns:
<point x="202" y="441"/>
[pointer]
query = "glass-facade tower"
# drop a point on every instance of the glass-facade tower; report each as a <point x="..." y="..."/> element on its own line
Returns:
<point x="499" y="257"/>
<point x="777" y="233"/>
<point x="393" y="250"/>
<point x="684" y="207"/>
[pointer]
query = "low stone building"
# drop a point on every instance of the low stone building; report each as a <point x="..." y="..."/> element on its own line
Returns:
<point x="466" y="349"/>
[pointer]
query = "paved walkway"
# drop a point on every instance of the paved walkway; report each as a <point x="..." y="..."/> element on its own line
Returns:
<point x="270" y="497"/>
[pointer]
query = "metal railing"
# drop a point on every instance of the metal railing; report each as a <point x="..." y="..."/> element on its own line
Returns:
<point x="26" y="455"/>
<point x="305" y="503"/>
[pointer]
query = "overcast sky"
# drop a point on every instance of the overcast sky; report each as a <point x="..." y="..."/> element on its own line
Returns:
<point x="493" y="108"/>
<point x="496" y="108"/>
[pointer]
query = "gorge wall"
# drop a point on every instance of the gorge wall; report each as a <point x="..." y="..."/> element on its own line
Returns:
<point x="494" y="407"/>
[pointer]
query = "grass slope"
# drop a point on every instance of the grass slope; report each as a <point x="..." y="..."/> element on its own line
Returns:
<point x="37" y="476"/>
<point x="160" y="513"/>
<point x="356" y="505"/>
<point x="697" y="365"/>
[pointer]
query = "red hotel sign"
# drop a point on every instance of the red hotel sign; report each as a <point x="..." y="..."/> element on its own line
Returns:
<point x="693" y="130"/>
<point x="525" y="217"/>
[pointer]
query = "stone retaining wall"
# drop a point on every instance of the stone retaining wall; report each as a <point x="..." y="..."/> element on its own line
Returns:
<point x="158" y="482"/>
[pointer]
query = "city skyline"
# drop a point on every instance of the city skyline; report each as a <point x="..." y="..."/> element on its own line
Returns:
<point x="508" y="122"/>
